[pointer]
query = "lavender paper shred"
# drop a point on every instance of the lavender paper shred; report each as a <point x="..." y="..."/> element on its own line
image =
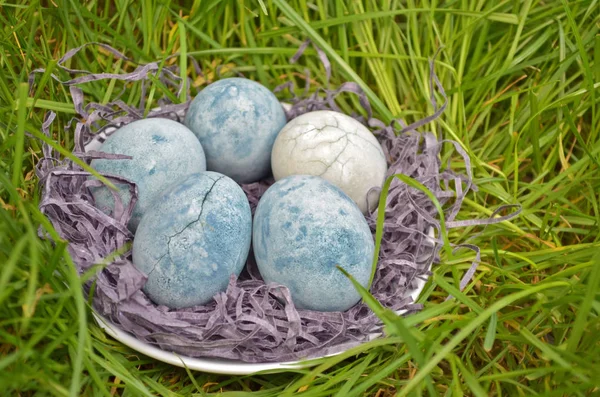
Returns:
<point x="251" y="321"/>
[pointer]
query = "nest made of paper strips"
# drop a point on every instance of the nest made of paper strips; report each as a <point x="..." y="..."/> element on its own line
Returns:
<point x="251" y="321"/>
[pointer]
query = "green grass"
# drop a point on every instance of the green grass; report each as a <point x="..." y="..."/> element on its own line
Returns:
<point x="522" y="79"/>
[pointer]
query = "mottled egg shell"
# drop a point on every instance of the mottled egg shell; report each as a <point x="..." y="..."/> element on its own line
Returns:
<point x="237" y="120"/>
<point x="162" y="151"/>
<point x="195" y="236"/>
<point x="335" y="147"/>
<point x="303" y="227"/>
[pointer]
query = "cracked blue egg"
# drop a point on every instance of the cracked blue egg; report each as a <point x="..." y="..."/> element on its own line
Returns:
<point x="303" y="228"/>
<point x="237" y="121"/>
<point x="195" y="236"/>
<point x="162" y="151"/>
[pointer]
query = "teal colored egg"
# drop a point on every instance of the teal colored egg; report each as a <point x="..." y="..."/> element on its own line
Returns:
<point x="237" y="121"/>
<point x="162" y="151"/>
<point x="303" y="228"/>
<point x="195" y="236"/>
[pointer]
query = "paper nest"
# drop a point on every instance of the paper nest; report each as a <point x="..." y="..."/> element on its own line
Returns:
<point x="251" y="321"/>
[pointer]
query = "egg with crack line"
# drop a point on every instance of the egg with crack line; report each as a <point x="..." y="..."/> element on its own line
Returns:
<point x="335" y="147"/>
<point x="195" y="236"/>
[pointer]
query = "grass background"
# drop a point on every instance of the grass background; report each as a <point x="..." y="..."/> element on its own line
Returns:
<point x="522" y="79"/>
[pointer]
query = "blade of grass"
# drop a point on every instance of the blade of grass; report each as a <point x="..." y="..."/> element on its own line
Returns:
<point x="183" y="61"/>
<point x="21" y="99"/>
<point x="490" y="335"/>
<point x="260" y="71"/>
<point x="522" y="20"/>
<point x="32" y="280"/>
<point x="456" y="293"/>
<point x="534" y="132"/>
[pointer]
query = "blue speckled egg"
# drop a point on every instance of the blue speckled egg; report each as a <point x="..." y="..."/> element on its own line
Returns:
<point x="303" y="227"/>
<point x="195" y="236"/>
<point x="237" y="121"/>
<point x="163" y="151"/>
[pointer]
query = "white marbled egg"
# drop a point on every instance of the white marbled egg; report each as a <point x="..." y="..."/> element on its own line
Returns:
<point x="335" y="147"/>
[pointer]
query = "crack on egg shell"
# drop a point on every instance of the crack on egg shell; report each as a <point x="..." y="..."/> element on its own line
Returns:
<point x="325" y="143"/>
<point x="346" y="134"/>
<point x="168" y="253"/>
<point x="339" y="154"/>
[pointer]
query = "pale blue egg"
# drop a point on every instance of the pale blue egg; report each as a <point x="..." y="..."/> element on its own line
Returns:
<point x="162" y="152"/>
<point x="195" y="236"/>
<point x="303" y="227"/>
<point x="237" y="121"/>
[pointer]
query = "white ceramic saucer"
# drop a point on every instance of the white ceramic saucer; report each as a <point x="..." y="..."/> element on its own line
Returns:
<point x="213" y="365"/>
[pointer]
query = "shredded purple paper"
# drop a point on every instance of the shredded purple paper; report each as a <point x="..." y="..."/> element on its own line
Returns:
<point x="251" y="321"/>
